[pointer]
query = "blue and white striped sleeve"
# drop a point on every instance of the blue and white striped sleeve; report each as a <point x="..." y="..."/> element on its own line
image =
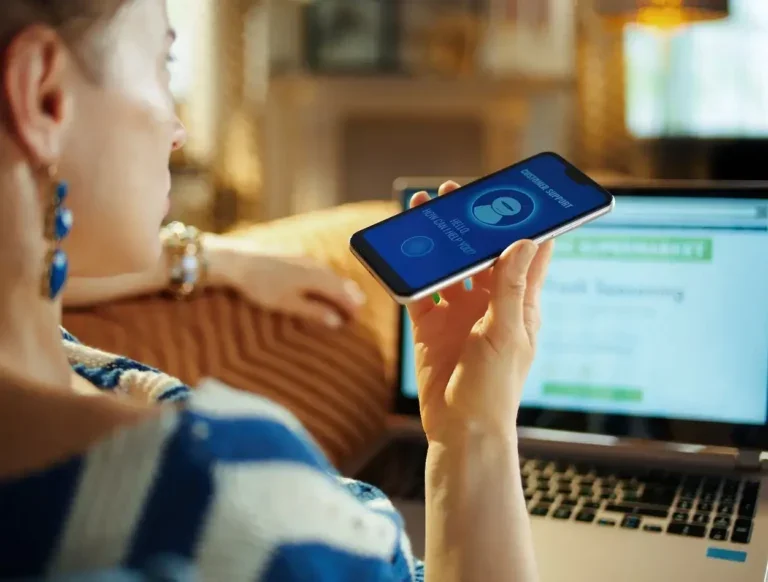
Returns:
<point x="406" y="566"/>
<point x="280" y="507"/>
<point x="229" y="485"/>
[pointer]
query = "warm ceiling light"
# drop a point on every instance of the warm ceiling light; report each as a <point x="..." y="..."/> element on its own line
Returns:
<point x="661" y="13"/>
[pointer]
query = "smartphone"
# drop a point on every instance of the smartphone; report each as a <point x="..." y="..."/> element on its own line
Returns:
<point x="450" y="238"/>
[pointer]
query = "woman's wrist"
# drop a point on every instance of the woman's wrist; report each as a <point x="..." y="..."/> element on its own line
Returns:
<point x="477" y="520"/>
<point x="459" y="467"/>
<point x="481" y="445"/>
<point x="457" y="431"/>
<point x="222" y="261"/>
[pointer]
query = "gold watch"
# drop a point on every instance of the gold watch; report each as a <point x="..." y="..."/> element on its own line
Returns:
<point x="187" y="264"/>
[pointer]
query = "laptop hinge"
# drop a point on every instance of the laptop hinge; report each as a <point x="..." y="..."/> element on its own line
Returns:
<point x="749" y="460"/>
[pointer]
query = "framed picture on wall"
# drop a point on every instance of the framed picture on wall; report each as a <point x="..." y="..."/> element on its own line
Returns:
<point x="440" y="36"/>
<point x="352" y="36"/>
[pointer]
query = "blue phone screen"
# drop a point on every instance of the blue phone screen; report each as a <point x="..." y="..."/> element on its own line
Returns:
<point x="429" y="244"/>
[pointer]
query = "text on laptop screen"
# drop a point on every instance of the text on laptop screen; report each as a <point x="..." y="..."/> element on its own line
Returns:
<point x="658" y="310"/>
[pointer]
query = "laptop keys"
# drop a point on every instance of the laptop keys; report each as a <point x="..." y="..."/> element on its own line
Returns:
<point x="562" y="513"/>
<point x="721" y="522"/>
<point x="615" y="508"/>
<point x="585" y="516"/>
<point x="630" y="522"/>
<point x="658" y="495"/>
<point x="696" y="506"/>
<point x="742" y="531"/>
<point x="701" y="518"/>
<point x="725" y="509"/>
<point x="687" y="529"/>
<point x="652" y="512"/>
<point x="746" y="508"/>
<point x="748" y="500"/>
<point x="719" y="534"/>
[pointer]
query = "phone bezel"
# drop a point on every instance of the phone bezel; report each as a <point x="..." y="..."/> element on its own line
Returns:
<point x="403" y="293"/>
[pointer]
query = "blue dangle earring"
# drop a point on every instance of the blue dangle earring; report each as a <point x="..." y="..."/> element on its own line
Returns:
<point x="58" y="224"/>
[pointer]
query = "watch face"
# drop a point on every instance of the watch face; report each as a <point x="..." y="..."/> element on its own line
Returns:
<point x="186" y="271"/>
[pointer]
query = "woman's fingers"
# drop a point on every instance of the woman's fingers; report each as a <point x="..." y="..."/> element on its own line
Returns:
<point x="537" y="273"/>
<point x="483" y="280"/>
<point x="454" y="293"/>
<point x="323" y="288"/>
<point x="505" y="320"/>
<point x="447" y="187"/>
<point x="318" y="312"/>
<point x="419" y="198"/>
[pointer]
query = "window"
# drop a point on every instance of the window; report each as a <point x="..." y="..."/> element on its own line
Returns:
<point x="188" y="19"/>
<point x="705" y="80"/>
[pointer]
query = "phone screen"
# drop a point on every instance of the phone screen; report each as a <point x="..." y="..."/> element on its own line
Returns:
<point x="423" y="246"/>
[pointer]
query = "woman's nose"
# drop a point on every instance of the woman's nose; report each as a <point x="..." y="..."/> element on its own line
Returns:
<point x="179" y="136"/>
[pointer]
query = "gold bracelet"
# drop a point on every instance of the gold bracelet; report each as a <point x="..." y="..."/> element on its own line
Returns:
<point x="187" y="264"/>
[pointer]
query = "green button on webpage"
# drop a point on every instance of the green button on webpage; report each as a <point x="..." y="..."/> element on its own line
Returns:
<point x="588" y="392"/>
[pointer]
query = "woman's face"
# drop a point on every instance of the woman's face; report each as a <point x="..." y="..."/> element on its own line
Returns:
<point x="116" y="139"/>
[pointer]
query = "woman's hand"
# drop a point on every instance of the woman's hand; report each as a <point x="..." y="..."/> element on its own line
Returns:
<point x="287" y="283"/>
<point x="475" y="347"/>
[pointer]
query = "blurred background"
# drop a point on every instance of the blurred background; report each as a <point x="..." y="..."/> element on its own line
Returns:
<point x="298" y="105"/>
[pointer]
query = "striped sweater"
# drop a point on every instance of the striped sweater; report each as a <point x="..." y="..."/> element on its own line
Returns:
<point x="228" y="483"/>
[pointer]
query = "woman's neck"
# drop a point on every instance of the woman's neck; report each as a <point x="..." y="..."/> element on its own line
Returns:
<point x="30" y="340"/>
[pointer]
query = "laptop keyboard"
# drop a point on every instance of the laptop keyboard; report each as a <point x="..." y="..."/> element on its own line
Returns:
<point x="654" y="501"/>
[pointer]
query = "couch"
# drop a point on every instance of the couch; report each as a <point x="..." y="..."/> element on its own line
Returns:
<point x="337" y="383"/>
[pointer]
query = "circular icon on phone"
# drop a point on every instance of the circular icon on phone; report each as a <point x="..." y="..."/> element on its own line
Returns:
<point x="502" y="207"/>
<point x="417" y="246"/>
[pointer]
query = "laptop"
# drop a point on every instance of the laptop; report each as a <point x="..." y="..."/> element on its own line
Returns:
<point x="644" y="421"/>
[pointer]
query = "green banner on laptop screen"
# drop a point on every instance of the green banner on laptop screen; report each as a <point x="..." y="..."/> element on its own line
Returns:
<point x="589" y="392"/>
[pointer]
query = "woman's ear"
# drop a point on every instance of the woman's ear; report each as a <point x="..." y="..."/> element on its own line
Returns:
<point x="34" y="85"/>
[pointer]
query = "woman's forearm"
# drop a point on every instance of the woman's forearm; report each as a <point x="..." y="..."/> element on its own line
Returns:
<point x="85" y="291"/>
<point x="477" y="523"/>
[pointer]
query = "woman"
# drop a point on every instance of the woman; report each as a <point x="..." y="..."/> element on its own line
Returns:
<point x="224" y="480"/>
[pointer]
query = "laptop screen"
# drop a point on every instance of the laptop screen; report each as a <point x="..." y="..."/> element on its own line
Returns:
<point x="659" y="310"/>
